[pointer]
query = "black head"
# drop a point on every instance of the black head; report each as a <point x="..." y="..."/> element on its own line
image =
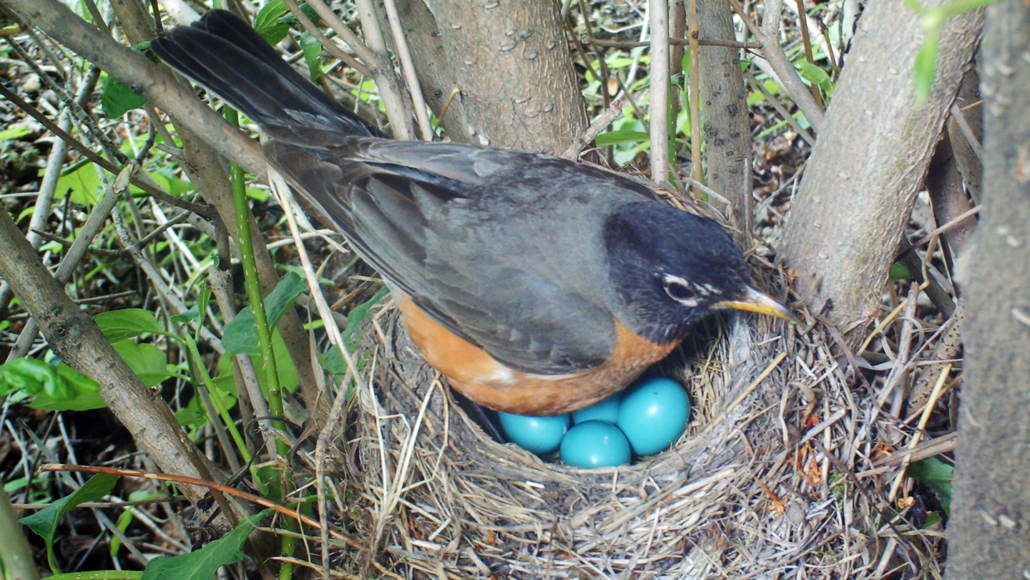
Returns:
<point x="671" y="268"/>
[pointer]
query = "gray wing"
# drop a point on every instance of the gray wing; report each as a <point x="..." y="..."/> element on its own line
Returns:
<point x="448" y="225"/>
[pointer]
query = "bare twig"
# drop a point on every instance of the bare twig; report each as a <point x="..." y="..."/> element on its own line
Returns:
<point x="600" y="124"/>
<point x="694" y="95"/>
<point x="408" y="70"/>
<point x="658" y="12"/>
<point x="672" y="41"/>
<point x="784" y="113"/>
<point x="777" y="59"/>
<point x="352" y="41"/>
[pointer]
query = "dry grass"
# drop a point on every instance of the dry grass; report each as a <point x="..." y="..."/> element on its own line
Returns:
<point x="777" y="475"/>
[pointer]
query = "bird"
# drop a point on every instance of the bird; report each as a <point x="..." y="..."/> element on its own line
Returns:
<point x="536" y="285"/>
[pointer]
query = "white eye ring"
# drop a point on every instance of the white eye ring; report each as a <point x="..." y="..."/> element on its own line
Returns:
<point x="679" y="290"/>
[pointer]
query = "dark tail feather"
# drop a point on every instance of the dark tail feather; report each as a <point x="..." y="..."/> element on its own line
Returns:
<point x="229" y="58"/>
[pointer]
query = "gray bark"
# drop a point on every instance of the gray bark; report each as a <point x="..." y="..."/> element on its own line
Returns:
<point x="433" y="68"/>
<point x="726" y="126"/>
<point x="989" y="534"/>
<point x="869" y="162"/>
<point x="511" y="60"/>
<point x="75" y="337"/>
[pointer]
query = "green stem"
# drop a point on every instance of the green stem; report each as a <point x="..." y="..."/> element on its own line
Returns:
<point x="99" y="575"/>
<point x="216" y="400"/>
<point x="257" y="306"/>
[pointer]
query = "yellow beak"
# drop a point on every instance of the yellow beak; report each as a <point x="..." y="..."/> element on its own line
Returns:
<point x="755" y="301"/>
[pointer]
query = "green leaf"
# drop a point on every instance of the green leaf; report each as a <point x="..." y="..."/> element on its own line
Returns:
<point x="937" y="474"/>
<point x="81" y="184"/>
<point x="203" y="563"/>
<point x="85" y="393"/>
<point x="288" y="379"/>
<point x="126" y="518"/>
<point x="240" y="336"/>
<point x="44" y="522"/>
<point x="119" y="99"/>
<point x="14" y="133"/>
<point x="926" y="66"/>
<point x="283" y="296"/>
<point x="621" y="136"/>
<point x="312" y="50"/>
<point x="899" y="271"/>
<point x="57" y="388"/>
<point x="815" y="75"/>
<point x="268" y="22"/>
<point x="119" y="325"/>
<point x="146" y="360"/>
<point x="334" y="361"/>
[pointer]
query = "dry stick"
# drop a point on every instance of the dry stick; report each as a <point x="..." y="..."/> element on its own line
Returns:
<point x="658" y="15"/>
<point x="48" y="185"/>
<point x="602" y="121"/>
<point x="143" y="183"/>
<point x="672" y="41"/>
<point x="374" y="53"/>
<point x="75" y="337"/>
<point x="327" y="42"/>
<point x="807" y="44"/>
<point x="77" y="251"/>
<point x="919" y="431"/>
<point x="952" y="223"/>
<point x="695" y="95"/>
<point x="967" y="131"/>
<point x="602" y="65"/>
<point x="219" y="282"/>
<point x="285" y="196"/>
<point x="408" y="70"/>
<point x="777" y="59"/>
<point x="174" y="303"/>
<point x="143" y="76"/>
<point x="781" y="109"/>
<point x="193" y="481"/>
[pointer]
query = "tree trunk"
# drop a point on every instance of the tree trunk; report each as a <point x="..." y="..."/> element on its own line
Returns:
<point x="869" y="162"/>
<point x="988" y="535"/>
<point x="727" y="130"/>
<point x="511" y="60"/>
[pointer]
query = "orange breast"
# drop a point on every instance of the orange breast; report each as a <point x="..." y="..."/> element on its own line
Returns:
<point x="475" y="374"/>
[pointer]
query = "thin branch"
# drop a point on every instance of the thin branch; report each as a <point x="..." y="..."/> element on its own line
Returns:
<point x="773" y="53"/>
<point x="694" y="95"/>
<point x="408" y="70"/>
<point x="600" y="124"/>
<point x="658" y="12"/>
<point x="141" y="75"/>
<point x="781" y="109"/>
<point x="676" y="41"/>
<point x="75" y="337"/>
<point x="327" y="42"/>
<point x="201" y="210"/>
<point x="374" y="53"/>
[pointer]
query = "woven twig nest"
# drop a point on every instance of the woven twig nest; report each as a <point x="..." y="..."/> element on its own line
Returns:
<point x="444" y="500"/>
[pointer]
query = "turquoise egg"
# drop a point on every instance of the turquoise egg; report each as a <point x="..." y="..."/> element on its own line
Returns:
<point x="535" y="434"/>
<point x="606" y="410"/>
<point x="653" y="414"/>
<point x="595" y="444"/>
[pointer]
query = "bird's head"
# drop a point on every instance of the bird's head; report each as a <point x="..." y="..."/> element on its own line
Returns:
<point x="672" y="268"/>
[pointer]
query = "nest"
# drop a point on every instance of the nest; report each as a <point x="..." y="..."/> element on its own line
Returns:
<point x="751" y="488"/>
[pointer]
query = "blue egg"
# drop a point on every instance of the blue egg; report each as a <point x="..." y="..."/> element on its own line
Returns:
<point x="653" y="414"/>
<point x="535" y="434"/>
<point x="607" y="411"/>
<point x="595" y="444"/>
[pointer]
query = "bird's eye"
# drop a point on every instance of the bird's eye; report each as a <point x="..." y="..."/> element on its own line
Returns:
<point x="678" y="290"/>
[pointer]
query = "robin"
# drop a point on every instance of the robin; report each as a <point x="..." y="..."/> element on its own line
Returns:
<point x="536" y="285"/>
